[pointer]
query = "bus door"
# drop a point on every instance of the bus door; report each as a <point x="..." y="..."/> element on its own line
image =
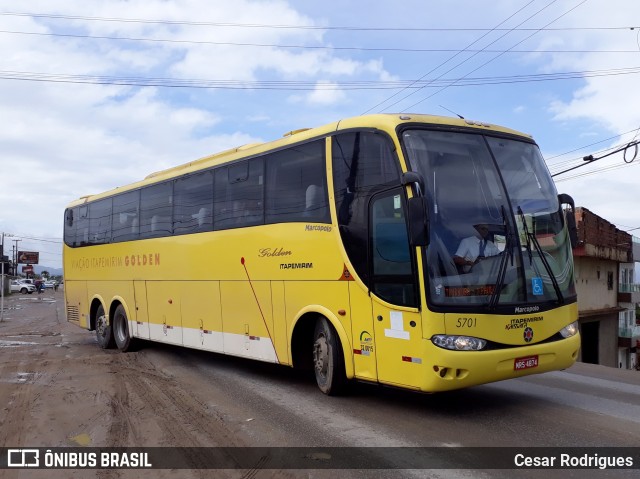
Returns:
<point x="394" y="292"/>
<point x="141" y="328"/>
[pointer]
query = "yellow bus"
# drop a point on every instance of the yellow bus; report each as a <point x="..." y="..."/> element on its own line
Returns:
<point x="415" y="251"/>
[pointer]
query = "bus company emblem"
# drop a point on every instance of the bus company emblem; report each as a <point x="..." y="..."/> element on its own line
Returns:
<point x="346" y="274"/>
<point x="528" y="334"/>
<point x="366" y="344"/>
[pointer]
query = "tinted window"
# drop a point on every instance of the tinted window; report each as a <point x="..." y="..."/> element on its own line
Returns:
<point x="238" y="195"/>
<point x="393" y="278"/>
<point x="82" y="226"/>
<point x="125" y="225"/>
<point x="100" y="221"/>
<point x="296" y="186"/>
<point x="70" y="216"/>
<point x="193" y="204"/>
<point x="363" y="163"/>
<point x="156" y="210"/>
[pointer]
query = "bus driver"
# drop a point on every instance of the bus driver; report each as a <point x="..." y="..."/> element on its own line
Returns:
<point x="475" y="248"/>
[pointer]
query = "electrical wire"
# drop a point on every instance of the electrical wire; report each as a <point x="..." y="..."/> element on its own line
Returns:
<point x="308" y="85"/>
<point x="447" y="61"/>
<point x="499" y="55"/>
<point x="301" y="47"/>
<point x="298" y="27"/>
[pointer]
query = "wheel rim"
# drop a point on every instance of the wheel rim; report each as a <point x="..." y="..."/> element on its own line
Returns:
<point x="321" y="355"/>
<point x="120" y="327"/>
<point x="101" y="325"/>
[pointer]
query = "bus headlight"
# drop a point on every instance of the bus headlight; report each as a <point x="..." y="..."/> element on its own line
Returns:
<point x="570" y="330"/>
<point x="458" y="343"/>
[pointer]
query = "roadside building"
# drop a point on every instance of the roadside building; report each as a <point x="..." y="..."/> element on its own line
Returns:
<point x="604" y="262"/>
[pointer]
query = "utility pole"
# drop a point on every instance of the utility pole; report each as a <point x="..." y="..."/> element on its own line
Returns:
<point x="15" y="262"/>
<point x="2" y="284"/>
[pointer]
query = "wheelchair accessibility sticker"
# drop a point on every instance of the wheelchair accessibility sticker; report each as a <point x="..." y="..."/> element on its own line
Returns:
<point x="536" y="286"/>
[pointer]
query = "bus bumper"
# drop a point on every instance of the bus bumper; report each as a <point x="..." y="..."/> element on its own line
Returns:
<point x="450" y="370"/>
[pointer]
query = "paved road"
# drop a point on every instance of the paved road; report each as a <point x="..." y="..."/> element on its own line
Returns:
<point x="58" y="389"/>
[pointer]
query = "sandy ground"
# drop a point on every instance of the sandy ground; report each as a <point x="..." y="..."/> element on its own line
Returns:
<point x="58" y="389"/>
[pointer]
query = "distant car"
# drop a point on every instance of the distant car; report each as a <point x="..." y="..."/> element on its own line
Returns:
<point x="24" y="288"/>
<point x="50" y="284"/>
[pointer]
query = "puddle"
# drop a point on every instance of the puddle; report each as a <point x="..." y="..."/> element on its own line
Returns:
<point x="15" y="344"/>
<point x="15" y="307"/>
<point x="38" y="300"/>
<point x="21" y="378"/>
<point x="35" y="334"/>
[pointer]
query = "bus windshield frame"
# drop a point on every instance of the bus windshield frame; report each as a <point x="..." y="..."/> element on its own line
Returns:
<point x="497" y="236"/>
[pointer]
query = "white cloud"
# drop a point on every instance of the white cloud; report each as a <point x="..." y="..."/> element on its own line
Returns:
<point x="325" y="95"/>
<point x="64" y="140"/>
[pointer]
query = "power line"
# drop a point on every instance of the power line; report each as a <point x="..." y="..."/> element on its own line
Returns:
<point x="309" y="85"/>
<point x="447" y="61"/>
<point x="597" y="170"/>
<point x="499" y="55"/>
<point x="304" y="47"/>
<point x="591" y="144"/>
<point x="42" y="240"/>
<point x="301" y="27"/>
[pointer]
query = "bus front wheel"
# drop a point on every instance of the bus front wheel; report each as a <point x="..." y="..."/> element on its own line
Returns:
<point x="328" y="359"/>
<point x="104" y="332"/>
<point x="124" y="341"/>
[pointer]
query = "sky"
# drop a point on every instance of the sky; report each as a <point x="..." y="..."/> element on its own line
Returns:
<point x="95" y="95"/>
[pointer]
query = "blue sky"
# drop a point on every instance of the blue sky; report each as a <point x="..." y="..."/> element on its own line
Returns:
<point x="215" y="74"/>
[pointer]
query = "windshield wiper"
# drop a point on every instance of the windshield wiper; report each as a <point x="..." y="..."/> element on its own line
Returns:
<point x="525" y="227"/>
<point x="508" y="253"/>
<point x="531" y="238"/>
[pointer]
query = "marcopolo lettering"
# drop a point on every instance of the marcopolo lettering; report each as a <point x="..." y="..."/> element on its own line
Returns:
<point x="325" y="228"/>
<point x="526" y="309"/>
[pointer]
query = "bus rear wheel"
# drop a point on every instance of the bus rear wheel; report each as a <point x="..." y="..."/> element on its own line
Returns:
<point x="104" y="332"/>
<point x="124" y="341"/>
<point x="328" y="359"/>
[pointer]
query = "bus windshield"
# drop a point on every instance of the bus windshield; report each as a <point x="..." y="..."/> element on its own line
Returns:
<point x="497" y="234"/>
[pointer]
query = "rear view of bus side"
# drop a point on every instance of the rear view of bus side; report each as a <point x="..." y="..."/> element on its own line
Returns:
<point x="337" y="249"/>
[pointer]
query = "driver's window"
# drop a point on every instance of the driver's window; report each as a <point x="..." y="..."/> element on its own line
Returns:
<point x="393" y="278"/>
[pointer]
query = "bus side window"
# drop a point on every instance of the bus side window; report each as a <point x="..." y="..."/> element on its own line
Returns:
<point x="82" y="230"/>
<point x="363" y="162"/>
<point x="125" y="224"/>
<point x="156" y="210"/>
<point x="100" y="221"/>
<point x="193" y="205"/>
<point x="238" y="195"/>
<point x="296" y="185"/>
<point x="393" y="276"/>
<point x="70" y="226"/>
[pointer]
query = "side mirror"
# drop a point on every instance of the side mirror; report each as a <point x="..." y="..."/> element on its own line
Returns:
<point x="414" y="178"/>
<point x="418" y="221"/>
<point x="570" y="217"/>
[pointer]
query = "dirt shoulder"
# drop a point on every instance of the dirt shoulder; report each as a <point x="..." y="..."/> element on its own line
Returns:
<point x="59" y="389"/>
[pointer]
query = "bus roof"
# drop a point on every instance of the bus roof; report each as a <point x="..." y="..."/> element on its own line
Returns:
<point x="387" y="122"/>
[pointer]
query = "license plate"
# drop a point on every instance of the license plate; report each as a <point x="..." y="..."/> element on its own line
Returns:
<point x="525" y="363"/>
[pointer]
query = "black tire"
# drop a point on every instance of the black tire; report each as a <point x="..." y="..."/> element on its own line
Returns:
<point x="328" y="359"/>
<point x="104" y="331"/>
<point x="24" y="290"/>
<point x="124" y="341"/>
